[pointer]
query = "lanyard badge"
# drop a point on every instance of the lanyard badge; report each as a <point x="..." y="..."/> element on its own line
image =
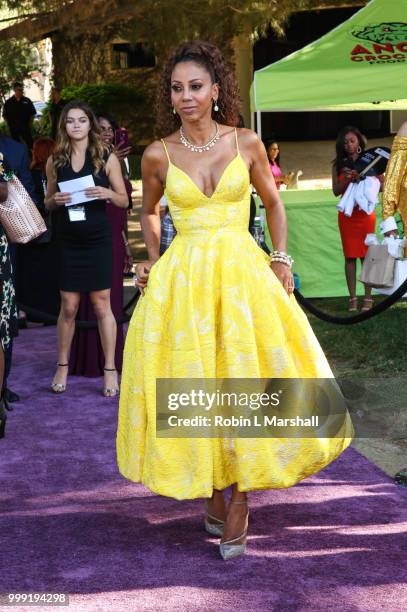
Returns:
<point x="77" y="213"/>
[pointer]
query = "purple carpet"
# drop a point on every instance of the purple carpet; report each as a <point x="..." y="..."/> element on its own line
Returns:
<point x="69" y="522"/>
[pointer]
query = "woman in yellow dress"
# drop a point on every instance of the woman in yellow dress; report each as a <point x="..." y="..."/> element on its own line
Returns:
<point x="214" y="306"/>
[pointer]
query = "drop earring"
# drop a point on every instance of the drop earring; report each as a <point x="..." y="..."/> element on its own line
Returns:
<point x="216" y="107"/>
<point x="174" y="111"/>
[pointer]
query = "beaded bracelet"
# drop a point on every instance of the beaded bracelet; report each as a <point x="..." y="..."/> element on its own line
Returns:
<point x="281" y="257"/>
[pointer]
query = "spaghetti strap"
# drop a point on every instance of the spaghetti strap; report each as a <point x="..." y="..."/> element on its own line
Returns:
<point x="237" y="142"/>
<point x="166" y="150"/>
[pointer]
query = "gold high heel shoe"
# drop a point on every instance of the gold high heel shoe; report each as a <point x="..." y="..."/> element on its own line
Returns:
<point x="59" y="387"/>
<point x="110" y="391"/>
<point x="237" y="546"/>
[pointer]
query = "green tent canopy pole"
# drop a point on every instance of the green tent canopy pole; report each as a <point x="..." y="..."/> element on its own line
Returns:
<point x="258" y="123"/>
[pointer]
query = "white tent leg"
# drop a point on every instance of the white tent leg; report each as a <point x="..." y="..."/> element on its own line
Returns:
<point x="258" y="116"/>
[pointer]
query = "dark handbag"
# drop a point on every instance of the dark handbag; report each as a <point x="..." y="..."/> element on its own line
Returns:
<point x="41" y="189"/>
<point x="45" y="238"/>
<point x="378" y="267"/>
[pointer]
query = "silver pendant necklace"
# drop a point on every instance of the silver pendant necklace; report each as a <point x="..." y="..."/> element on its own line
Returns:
<point x="199" y="148"/>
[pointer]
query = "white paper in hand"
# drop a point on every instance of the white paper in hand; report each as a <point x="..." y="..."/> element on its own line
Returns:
<point x="76" y="187"/>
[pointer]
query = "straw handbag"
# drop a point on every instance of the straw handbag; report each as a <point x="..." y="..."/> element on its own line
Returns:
<point x="19" y="216"/>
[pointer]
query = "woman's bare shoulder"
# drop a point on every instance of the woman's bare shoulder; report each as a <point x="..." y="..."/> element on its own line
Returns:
<point x="249" y="140"/>
<point x="154" y="152"/>
<point x="248" y="137"/>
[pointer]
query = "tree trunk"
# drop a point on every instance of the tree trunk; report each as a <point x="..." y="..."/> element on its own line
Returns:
<point x="79" y="59"/>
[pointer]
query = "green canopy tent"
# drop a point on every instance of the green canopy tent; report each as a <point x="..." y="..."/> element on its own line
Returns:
<point x="360" y="65"/>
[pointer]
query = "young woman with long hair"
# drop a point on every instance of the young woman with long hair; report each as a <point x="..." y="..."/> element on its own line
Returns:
<point x="86" y="358"/>
<point x="214" y="306"/>
<point x="83" y="233"/>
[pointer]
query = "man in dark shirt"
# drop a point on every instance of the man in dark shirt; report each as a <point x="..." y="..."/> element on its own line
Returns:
<point x="57" y="104"/>
<point x="19" y="113"/>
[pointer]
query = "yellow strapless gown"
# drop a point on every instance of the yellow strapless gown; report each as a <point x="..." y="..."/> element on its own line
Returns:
<point x="214" y="309"/>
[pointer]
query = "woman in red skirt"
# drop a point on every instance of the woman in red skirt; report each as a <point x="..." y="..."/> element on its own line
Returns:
<point x="350" y="144"/>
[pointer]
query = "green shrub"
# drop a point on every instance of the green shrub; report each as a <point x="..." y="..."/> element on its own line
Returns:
<point x="114" y="98"/>
<point x="38" y="129"/>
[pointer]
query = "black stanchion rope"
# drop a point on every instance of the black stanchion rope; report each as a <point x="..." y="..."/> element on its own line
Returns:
<point x="45" y="317"/>
<point x="359" y="318"/>
<point x="363" y="316"/>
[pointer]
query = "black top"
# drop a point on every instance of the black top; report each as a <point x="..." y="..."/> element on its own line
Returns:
<point x="95" y="210"/>
<point x="84" y="247"/>
<point x="18" y="113"/>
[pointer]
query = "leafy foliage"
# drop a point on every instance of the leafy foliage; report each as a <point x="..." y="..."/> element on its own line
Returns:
<point x="165" y="23"/>
<point x="17" y="62"/>
<point x="119" y="101"/>
<point x="113" y="98"/>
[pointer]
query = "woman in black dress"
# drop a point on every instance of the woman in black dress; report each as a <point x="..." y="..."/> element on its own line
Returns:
<point x="8" y="309"/>
<point x="83" y="233"/>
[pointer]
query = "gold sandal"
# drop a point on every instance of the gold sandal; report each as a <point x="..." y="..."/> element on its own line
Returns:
<point x="213" y="524"/>
<point x="367" y="304"/>
<point x="59" y="387"/>
<point x="237" y="546"/>
<point x="110" y="391"/>
<point x="353" y="304"/>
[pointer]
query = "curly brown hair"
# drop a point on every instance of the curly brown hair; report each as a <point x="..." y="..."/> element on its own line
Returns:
<point x="210" y="57"/>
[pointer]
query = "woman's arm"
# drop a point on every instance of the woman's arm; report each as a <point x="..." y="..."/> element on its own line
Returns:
<point x="265" y="185"/>
<point x="151" y="172"/>
<point x="54" y="198"/>
<point x="263" y="181"/>
<point x="151" y="165"/>
<point x="117" y="192"/>
<point x="339" y="186"/>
